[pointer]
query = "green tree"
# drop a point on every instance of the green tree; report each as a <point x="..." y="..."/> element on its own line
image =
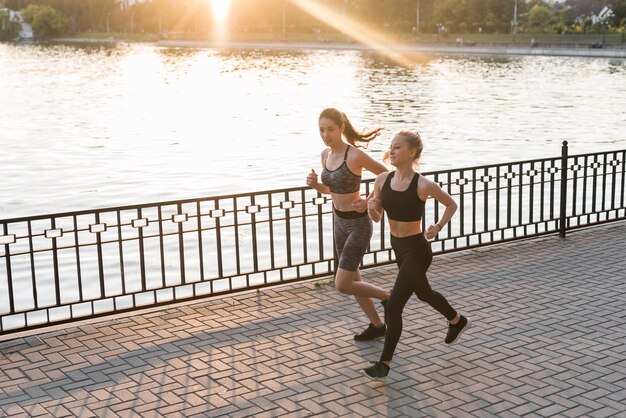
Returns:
<point x="501" y="13"/>
<point x="568" y="16"/>
<point x="449" y="12"/>
<point x="539" y="17"/>
<point x="45" y="20"/>
<point x="9" y="28"/>
<point x="266" y="16"/>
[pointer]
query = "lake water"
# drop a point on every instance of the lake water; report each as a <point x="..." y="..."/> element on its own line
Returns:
<point x="85" y="127"/>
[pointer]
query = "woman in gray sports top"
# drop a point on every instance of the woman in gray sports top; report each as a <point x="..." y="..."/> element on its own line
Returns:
<point x="342" y="165"/>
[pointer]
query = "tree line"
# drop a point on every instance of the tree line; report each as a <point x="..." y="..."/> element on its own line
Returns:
<point x="57" y="17"/>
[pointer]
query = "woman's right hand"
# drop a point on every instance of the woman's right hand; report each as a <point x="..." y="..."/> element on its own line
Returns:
<point x="373" y="203"/>
<point x="311" y="179"/>
<point x="374" y="209"/>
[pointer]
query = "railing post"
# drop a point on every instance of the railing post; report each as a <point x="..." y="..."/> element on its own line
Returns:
<point x="563" y="190"/>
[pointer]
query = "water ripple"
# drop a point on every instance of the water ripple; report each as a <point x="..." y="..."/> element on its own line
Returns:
<point x="86" y="127"/>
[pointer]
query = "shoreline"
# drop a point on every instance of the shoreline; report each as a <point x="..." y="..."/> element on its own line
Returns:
<point x="560" y="51"/>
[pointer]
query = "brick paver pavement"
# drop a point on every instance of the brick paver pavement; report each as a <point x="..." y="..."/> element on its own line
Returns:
<point x="549" y="340"/>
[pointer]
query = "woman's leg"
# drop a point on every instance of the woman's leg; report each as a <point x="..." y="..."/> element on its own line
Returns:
<point x="457" y="324"/>
<point x="424" y="256"/>
<point x="400" y="295"/>
<point x="345" y="281"/>
<point x="352" y="237"/>
<point x="351" y="283"/>
<point x="414" y="257"/>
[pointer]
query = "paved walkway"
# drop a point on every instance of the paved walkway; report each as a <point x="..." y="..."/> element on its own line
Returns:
<point x="549" y="340"/>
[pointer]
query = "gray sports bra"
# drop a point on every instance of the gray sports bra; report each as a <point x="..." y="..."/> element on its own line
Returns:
<point x="341" y="180"/>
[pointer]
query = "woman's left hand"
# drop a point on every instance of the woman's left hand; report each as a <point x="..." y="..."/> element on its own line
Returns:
<point x="359" y="205"/>
<point x="431" y="232"/>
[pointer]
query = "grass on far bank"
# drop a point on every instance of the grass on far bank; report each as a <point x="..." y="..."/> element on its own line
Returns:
<point x="614" y="39"/>
<point x="115" y="36"/>
<point x="543" y="38"/>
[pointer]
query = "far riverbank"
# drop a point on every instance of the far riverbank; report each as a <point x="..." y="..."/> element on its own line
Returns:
<point x="565" y="51"/>
<point x="468" y="48"/>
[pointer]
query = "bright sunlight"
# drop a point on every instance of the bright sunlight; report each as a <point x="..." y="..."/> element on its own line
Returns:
<point x="368" y="36"/>
<point x="220" y="9"/>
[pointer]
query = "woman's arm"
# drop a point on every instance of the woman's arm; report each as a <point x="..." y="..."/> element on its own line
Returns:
<point x="374" y="205"/>
<point x="367" y="162"/>
<point x="434" y="190"/>
<point x="311" y="179"/>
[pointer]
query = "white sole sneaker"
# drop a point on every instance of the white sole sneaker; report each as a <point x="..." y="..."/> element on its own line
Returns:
<point x="374" y="379"/>
<point x="465" y="328"/>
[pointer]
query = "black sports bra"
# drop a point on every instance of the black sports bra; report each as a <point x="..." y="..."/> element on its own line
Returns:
<point x="341" y="180"/>
<point x="404" y="206"/>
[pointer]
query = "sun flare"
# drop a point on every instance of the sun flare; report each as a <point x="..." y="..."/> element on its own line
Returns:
<point x="220" y="9"/>
<point x="371" y="37"/>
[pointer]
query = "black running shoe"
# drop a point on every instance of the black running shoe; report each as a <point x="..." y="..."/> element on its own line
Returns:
<point x="384" y="303"/>
<point x="371" y="332"/>
<point x="455" y="331"/>
<point x="377" y="372"/>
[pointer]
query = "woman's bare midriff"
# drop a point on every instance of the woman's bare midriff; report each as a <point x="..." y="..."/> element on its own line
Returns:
<point x="343" y="201"/>
<point x="401" y="229"/>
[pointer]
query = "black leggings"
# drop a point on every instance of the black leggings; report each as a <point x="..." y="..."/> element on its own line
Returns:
<point x="413" y="255"/>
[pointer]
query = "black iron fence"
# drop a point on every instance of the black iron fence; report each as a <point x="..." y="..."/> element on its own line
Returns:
<point x="71" y="266"/>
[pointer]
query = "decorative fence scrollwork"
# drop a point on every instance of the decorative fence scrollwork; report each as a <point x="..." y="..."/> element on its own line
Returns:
<point x="71" y="266"/>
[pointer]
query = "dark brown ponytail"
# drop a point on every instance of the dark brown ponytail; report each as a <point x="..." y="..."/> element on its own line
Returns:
<point x="351" y="134"/>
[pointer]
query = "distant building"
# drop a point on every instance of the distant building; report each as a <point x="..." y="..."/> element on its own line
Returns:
<point x="592" y="10"/>
<point x="26" y="33"/>
<point x="605" y="14"/>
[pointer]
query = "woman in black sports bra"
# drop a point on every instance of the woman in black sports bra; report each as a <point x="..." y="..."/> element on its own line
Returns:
<point x="342" y="165"/>
<point x="402" y="194"/>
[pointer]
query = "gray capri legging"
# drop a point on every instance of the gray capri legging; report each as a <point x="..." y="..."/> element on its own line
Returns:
<point x="353" y="231"/>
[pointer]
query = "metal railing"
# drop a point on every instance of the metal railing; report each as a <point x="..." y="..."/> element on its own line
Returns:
<point x="71" y="266"/>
